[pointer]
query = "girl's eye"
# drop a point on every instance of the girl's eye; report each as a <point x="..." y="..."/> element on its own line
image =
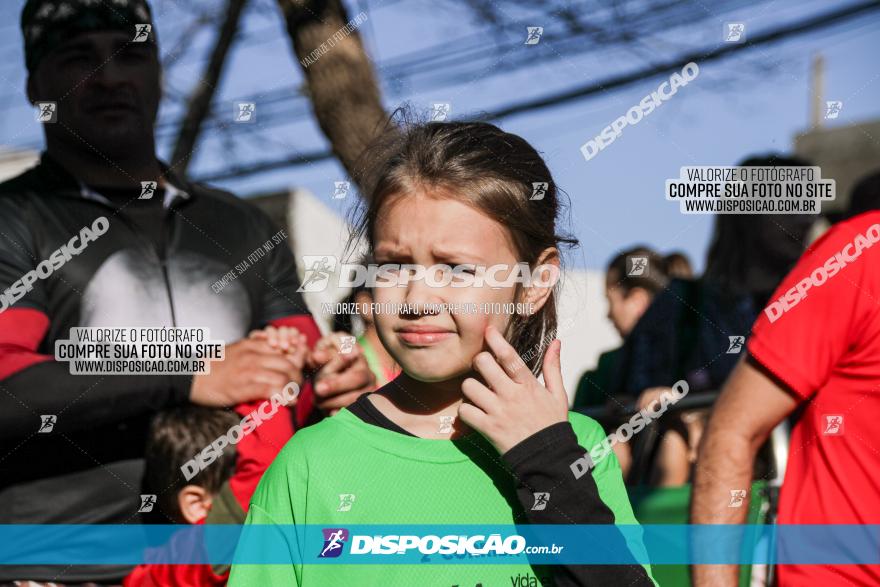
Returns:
<point x="463" y="269"/>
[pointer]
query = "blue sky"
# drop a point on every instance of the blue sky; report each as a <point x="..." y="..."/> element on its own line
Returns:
<point x="756" y="101"/>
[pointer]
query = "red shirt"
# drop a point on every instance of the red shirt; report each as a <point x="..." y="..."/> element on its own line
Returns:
<point x="825" y="346"/>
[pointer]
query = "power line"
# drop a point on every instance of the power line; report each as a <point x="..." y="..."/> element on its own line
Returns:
<point x="470" y="51"/>
<point x="612" y="83"/>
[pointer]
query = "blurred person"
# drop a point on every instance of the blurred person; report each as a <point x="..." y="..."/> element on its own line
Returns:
<point x="467" y="424"/>
<point x="629" y="291"/>
<point x="362" y="322"/>
<point x="381" y="363"/>
<point x="175" y="436"/>
<point x="678" y="265"/>
<point x="695" y="329"/>
<point x="161" y="242"/>
<point x="816" y="351"/>
<point x="865" y="196"/>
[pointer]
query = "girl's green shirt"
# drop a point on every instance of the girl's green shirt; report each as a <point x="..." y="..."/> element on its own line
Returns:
<point x="344" y="471"/>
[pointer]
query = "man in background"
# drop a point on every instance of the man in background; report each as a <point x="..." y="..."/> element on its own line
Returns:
<point x="159" y="244"/>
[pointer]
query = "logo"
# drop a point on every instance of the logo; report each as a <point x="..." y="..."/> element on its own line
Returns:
<point x="148" y="188"/>
<point x="833" y="425"/>
<point x="737" y="496"/>
<point x="638" y="422"/>
<point x="446" y="424"/>
<point x="473" y="545"/>
<point x="340" y="189"/>
<point x="141" y="32"/>
<point x="736" y="344"/>
<point x="346" y="500"/>
<point x="246" y="426"/>
<point x="147" y="503"/>
<point x="665" y="91"/>
<point x="734" y="32"/>
<point x="56" y="260"/>
<point x="832" y="109"/>
<point x="346" y="344"/>
<point x="334" y="539"/>
<point x="533" y="36"/>
<point x="821" y="274"/>
<point x="47" y="423"/>
<point x="539" y="190"/>
<point x="319" y="268"/>
<point x="47" y="112"/>
<point x="317" y="273"/>
<point x="541" y="499"/>
<point x="638" y="266"/>
<point x="440" y="111"/>
<point x="245" y="112"/>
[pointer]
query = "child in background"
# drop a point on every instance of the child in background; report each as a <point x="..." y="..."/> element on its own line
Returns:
<point x="466" y="434"/>
<point x="175" y="437"/>
<point x="220" y="493"/>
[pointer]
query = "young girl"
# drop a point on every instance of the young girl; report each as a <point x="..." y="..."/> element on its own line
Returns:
<point x="466" y="434"/>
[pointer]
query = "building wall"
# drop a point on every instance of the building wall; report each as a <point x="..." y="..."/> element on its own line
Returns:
<point x="846" y="154"/>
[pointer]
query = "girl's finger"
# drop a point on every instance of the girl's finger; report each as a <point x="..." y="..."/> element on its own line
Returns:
<point x="553" y="370"/>
<point x="257" y="334"/>
<point x="473" y="417"/>
<point x="507" y="356"/>
<point x="298" y="355"/>
<point x="496" y="378"/>
<point x="284" y="338"/>
<point x="272" y="336"/>
<point x="481" y="396"/>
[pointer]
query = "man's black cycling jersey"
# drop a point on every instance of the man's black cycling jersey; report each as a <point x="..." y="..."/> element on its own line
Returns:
<point x="88" y="468"/>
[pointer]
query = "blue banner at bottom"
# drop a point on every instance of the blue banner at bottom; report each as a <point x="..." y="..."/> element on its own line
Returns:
<point x="439" y="544"/>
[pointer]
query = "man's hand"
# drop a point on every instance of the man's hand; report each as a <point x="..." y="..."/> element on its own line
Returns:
<point x="250" y="370"/>
<point x="751" y="404"/>
<point x="513" y="404"/>
<point x="341" y="377"/>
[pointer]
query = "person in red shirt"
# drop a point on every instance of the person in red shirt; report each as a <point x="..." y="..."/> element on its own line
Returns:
<point x="816" y="347"/>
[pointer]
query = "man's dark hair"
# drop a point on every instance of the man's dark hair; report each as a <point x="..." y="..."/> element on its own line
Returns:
<point x="176" y="436"/>
<point x="46" y="24"/>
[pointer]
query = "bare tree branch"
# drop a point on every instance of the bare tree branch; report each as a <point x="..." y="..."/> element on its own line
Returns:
<point x="200" y="102"/>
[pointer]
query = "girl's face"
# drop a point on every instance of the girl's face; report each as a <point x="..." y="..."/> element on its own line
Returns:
<point x="437" y="345"/>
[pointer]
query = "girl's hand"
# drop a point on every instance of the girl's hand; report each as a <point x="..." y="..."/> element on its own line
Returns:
<point x="341" y="372"/>
<point x="284" y="338"/>
<point x="289" y="341"/>
<point x="514" y="405"/>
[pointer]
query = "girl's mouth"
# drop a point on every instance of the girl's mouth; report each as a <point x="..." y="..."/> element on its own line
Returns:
<point x="423" y="335"/>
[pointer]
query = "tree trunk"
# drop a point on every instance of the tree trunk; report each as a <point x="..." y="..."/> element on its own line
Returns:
<point x="339" y="75"/>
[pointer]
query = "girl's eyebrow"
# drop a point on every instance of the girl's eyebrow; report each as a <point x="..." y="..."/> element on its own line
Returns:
<point x="388" y="250"/>
<point x="440" y="253"/>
